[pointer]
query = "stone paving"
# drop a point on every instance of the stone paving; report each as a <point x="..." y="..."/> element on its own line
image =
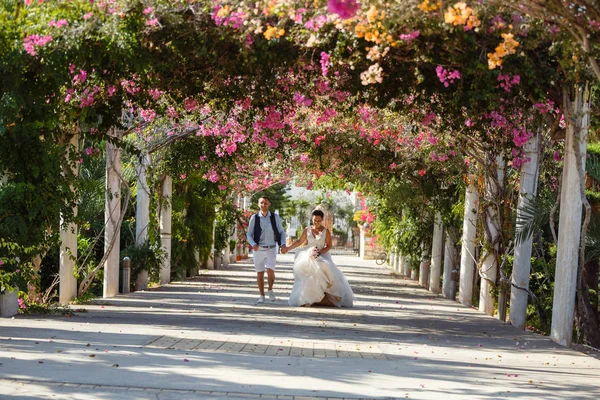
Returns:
<point x="206" y="338"/>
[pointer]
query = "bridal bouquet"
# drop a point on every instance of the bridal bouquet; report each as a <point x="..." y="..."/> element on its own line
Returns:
<point x="313" y="252"/>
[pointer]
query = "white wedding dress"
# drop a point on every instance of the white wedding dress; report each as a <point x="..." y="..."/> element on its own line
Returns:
<point x="316" y="278"/>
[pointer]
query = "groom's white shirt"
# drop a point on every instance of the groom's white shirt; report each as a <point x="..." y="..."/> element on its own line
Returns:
<point x="267" y="236"/>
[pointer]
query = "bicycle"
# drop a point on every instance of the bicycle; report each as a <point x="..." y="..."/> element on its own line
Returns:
<point x="381" y="258"/>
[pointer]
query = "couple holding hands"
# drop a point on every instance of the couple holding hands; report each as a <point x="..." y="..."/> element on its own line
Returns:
<point x="317" y="280"/>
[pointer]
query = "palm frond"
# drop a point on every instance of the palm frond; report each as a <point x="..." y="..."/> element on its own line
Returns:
<point x="533" y="215"/>
<point x="592" y="167"/>
<point x="592" y="240"/>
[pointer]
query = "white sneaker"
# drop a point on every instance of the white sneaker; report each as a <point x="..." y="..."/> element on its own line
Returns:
<point x="260" y="300"/>
<point x="272" y="296"/>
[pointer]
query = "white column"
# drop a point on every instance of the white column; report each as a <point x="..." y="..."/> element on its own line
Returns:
<point x="197" y="258"/>
<point x="210" y="262"/>
<point x="489" y="267"/>
<point x="142" y="214"/>
<point x="112" y="216"/>
<point x="449" y="283"/>
<point x="406" y="265"/>
<point x="522" y="260"/>
<point x="165" y="228"/>
<point x="226" y="255"/>
<point x="362" y="243"/>
<point x="435" y="268"/>
<point x="467" y="261"/>
<point x="67" y="287"/>
<point x="397" y="262"/>
<point x="424" y="266"/>
<point x="400" y="263"/>
<point x="569" y="225"/>
<point x="234" y="235"/>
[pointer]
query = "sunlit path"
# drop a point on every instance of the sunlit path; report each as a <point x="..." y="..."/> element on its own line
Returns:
<point x="206" y="338"/>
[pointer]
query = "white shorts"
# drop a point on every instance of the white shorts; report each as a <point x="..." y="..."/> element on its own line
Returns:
<point x="264" y="258"/>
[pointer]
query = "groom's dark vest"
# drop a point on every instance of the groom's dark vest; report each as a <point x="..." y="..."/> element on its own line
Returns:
<point x="258" y="230"/>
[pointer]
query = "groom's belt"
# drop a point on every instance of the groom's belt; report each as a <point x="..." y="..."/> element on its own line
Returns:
<point x="266" y="247"/>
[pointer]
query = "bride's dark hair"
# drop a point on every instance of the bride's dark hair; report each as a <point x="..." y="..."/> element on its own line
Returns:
<point x="318" y="213"/>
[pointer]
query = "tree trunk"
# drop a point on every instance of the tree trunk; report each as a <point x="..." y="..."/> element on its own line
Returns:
<point x="569" y="228"/>
<point x="436" y="255"/>
<point x="467" y="256"/>
<point x="165" y="228"/>
<point x="489" y="268"/>
<point x="424" y="266"/>
<point x="450" y="272"/>
<point x="522" y="261"/>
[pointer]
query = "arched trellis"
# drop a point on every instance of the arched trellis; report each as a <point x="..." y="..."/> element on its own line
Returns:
<point x="319" y="122"/>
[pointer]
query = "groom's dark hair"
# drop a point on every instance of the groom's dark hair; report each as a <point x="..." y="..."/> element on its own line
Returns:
<point x="318" y="213"/>
<point x="265" y="197"/>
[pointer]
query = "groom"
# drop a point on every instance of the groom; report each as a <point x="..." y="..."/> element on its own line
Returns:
<point x="265" y="232"/>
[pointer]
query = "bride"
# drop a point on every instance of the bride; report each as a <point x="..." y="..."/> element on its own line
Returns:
<point x="316" y="278"/>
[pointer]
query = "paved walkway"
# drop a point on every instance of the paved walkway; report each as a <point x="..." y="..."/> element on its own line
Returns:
<point x="206" y="338"/>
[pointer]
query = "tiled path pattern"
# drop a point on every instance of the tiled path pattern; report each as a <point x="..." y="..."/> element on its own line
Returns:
<point x="272" y="347"/>
<point x="206" y="338"/>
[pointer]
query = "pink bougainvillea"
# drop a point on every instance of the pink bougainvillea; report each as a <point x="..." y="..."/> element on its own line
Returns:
<point x="31" y="42"/>
<point x="344" y="8"/>
<point x="445" y="76"/>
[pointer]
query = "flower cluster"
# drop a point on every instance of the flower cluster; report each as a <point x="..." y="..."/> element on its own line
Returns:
<point x="31" y="42"/>
<point x="461" y="14"/>
<point x="426" y="6"/>
<point x="344" y="8"/>
<point x="273" y="32"/>
<point x="325" y="57"/>
<point x="375" y="53"/>
<point x="506" y="82"/>
<point x="507" y="47"/>
<point x="445" y="76"/>
<point x="313" y="252"/>
<point x="372" y="75"/>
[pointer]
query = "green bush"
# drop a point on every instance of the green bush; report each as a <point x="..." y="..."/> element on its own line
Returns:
<point x="145" y="256"/>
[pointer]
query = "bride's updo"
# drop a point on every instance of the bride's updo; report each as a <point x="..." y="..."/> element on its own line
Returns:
<point x="318" y="213"/>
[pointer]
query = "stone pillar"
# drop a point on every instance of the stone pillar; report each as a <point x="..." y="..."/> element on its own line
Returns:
<point x="406" y="265"/>
<point x="9" y="303"/>
<point x="210" y="262"/>
<point x="165" y="228"/>
<point x="397" y="262"/>
<point x="226" y="255"/>
<point x="400" y="263"/>
<point x="67" y="287"/>
<point x="522" y="261"/>
<point x="436" y="255"/>
<point x="197" y="258"/>
<point x="467" y="261"/>
<point x="362" y="242"/>
<point x="142" y="214"/>
<point x="569" y="225"/>
<point x="489" y="267"/>
<point x="424" y="267"/>
<point x="112" y="217"/>
<point x="449" y="277"/>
